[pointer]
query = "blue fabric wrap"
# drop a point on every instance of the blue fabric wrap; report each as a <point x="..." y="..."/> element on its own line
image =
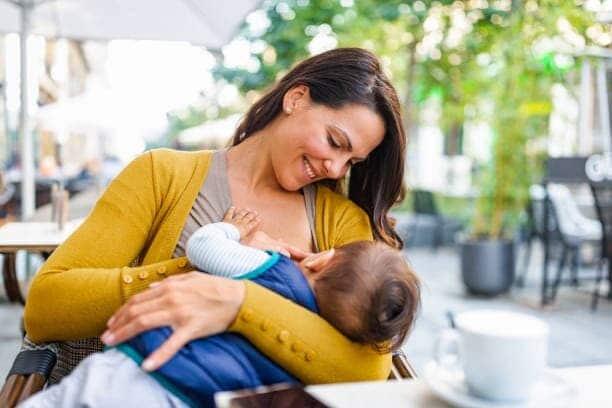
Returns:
<point x="226" y="361"/>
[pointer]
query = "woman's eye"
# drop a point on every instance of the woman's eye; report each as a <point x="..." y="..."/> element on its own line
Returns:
<point x="332" y="142"/>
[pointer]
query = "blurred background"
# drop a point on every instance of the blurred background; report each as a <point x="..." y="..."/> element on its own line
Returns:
<point x="506" y="104"/>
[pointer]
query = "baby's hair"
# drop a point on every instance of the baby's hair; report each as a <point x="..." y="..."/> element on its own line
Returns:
<point x="369" y="293"/>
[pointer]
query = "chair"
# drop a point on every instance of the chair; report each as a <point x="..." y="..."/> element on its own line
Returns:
<point x="602" y="194"/>
<point x="566" y="226"/>
<point x="32" y="368"/>
<point x="575" y="230"/>
<point x="426" y="212"/>
<point x="401" y="368"/>
<point x="536" y="228"/>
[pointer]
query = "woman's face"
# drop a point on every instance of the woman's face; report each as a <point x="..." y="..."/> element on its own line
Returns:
<point x="313" y="142"/>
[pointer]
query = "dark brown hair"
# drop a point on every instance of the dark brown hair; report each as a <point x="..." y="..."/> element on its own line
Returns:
<point x="336" y="79"/>
<point x="369" y="293"/>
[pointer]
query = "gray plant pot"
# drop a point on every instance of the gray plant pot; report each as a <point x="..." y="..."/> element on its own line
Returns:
<point x="487" y="267"/>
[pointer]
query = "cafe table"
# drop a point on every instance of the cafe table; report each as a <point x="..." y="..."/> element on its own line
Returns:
<point x="590" y="383"/>
<point x="42" y="237"/>
<point x="39" y="235"/>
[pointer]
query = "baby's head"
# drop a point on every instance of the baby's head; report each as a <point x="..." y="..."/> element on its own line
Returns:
<point x="367" y="291"/>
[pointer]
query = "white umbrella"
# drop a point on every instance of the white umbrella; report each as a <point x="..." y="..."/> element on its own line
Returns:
<point x="206" y="23"/>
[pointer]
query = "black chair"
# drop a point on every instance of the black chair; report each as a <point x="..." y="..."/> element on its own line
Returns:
<point x="602" y="194"/>
<point x="427" y="213"/>
<point x="554" y="219"/>
<point x="538" y="207"/>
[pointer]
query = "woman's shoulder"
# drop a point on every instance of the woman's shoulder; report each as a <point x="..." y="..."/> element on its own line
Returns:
<point x="336" y="206"/>
<point x="335" y="201"/>
<point x="339" y="220"/>
<point x="171" y="162"/>
<point x="173" y="157"/>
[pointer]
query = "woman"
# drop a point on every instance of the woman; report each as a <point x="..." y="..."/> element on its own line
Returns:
<point x="331" y="113"/>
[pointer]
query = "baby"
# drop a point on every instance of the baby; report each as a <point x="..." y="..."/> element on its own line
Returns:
<point x="365" y="289"/>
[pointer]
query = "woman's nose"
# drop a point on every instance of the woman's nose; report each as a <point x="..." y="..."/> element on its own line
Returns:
<point x="335" y="169"/>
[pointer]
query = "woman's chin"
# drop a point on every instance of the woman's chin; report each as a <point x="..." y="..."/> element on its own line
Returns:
<point x="293" y="184"/>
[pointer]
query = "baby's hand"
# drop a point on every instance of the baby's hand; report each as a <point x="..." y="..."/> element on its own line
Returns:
<point x="245" y="220"/>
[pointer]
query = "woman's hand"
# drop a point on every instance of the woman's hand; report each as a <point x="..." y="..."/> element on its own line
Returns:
<point x="194" y="304"/>
<point x="261" y="240"/>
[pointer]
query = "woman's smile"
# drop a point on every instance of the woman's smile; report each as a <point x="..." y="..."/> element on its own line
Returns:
<point x="308" y="169"/>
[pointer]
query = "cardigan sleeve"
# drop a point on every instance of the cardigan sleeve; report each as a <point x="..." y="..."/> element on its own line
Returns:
<point x="301" y="341"/>
<point x="87" y="278"/>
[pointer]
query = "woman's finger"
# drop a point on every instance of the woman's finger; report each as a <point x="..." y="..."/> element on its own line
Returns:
<point x="166" y="351"/>
<point x="133" y="311"/>
<point x="151" y="299"/>
<point x="134" y="327"/>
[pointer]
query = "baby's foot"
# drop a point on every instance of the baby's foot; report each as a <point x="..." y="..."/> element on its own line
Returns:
<point x="245" y="220"/>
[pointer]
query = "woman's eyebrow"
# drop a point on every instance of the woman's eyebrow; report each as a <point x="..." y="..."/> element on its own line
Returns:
<point x="348" y="140"/>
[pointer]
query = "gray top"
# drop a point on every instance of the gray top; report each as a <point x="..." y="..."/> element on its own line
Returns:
<point x="214" y="199"/>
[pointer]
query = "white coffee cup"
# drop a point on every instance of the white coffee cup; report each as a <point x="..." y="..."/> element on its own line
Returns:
<point x="502" y="354"/>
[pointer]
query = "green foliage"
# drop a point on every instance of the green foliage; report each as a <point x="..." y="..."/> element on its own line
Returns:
<point x="520" y="91"/>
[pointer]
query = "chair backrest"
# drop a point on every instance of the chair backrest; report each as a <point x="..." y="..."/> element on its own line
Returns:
<point x="602" y="194"/>
<point x="423" y="202"/>
<point x="571" y="220"/>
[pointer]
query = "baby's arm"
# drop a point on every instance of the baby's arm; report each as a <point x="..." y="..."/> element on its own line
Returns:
<point x="215" y="248"/>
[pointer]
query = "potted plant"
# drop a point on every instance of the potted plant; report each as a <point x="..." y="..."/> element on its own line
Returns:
<point x="520" y="92"/>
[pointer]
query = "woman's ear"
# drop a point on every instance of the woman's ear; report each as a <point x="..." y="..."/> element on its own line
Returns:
<point x="295" y="98"/>
<point x="318" y="262"/>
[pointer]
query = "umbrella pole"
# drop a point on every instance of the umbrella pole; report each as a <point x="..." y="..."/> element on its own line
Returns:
<point x="27" y="158"/>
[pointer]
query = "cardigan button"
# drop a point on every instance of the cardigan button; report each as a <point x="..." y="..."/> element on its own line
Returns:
<point x="128" y="279"/>
<point x="265" y="325"/>
<point x="161" y="270"/>
<point x="182" y="263"/>
<point x="143" y="275"/>
<point x="283" y="336"/>
<point x="247" y="315"/>
<point x="310" y="355"/>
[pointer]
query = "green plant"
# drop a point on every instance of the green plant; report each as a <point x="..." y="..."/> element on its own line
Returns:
<point x="520" y="92"/>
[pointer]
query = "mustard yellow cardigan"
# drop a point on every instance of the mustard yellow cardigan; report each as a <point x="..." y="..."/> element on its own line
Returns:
<point x="127" y="241"/>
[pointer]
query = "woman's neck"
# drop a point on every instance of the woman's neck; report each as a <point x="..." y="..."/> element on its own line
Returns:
<point x="249" y="164"/>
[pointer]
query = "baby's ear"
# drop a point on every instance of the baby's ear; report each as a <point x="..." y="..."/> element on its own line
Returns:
<point x="318" y="261"/>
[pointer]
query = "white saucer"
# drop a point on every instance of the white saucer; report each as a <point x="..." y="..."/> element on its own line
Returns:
<point x="550" y="391"/>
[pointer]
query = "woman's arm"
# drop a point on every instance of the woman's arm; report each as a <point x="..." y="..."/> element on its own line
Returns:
<point x="86" y="279"/>
<point x="303" y="343"/>
<point x="198" y="305"/>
